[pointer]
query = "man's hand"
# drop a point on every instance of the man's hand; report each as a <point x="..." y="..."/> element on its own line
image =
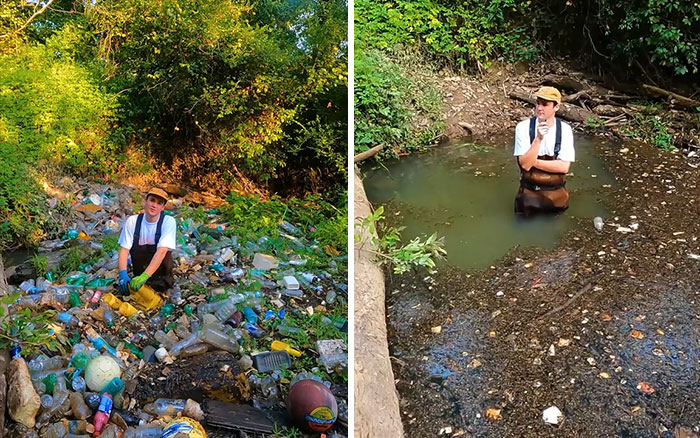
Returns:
<point x="137" y="282"/>
<point x="123" y="284"/>
<point x="542" y="130"/>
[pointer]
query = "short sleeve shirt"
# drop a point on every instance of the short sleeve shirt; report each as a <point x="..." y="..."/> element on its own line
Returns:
<point x="148" y="233"/>
<point x="566" y="152"/>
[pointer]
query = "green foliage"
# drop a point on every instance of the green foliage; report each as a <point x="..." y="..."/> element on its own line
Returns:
<point x="416" y="253"/>
<point x="252" y="86"/>
<point x="253" y="217"/>
<point x="284" y="432"/>
<point x="40" y="264"/>
<point x="649" y="129"/>
<point x="28" y="330"/>
<point x="51" y="110"/>
<point x="71" y="260"/>
<point x="395" y="106"/>
<point x="458" y="33"/>
<point x="110" y="243"/>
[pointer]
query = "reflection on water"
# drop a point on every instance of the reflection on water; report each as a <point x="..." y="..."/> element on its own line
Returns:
<point x="465" y="192"/>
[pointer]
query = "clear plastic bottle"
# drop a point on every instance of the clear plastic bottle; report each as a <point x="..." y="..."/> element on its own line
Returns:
<point x="226" y="310"/>
<point x="177" y="348"/>
<point x="167" y="341"/>
<point x="78" y="406"/>
<point x="165" y="406"/>
<point x="287" y="331"/>
<point x="194" y="350"/>
<point x="49" y="363"/>
<point x="58" y="400"/>
<point x="218" y="339"/>
<point x="78" y="384"/>
<point x="143" y="432"/>
<point x="204" y="308"/>
<point x="46" y="401"/>
<point x="68" y="319"/>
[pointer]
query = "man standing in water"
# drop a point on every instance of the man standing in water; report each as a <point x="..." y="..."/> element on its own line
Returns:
<point x="544" y="147"/>
<point x="149" y="238"/>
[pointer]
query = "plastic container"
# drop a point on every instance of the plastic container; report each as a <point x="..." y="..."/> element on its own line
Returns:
<point x="78" y="406"/>
<point x="145" y="298"/>
<point x="226" y="310"/>
<point x="114" y="387"/>
<point x="143" y="432"/>
<point x="218" y="339"/>
<point x="250" y="315"/>
<point x="104" y="411"/>
<point x="165" y="406"/>
<point x="283" y="346"/>
<point x="271" y="360"/>
<point x="112" y="300"/>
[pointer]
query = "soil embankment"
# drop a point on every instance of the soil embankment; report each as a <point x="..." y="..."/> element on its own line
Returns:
<point x="376" y="402"/>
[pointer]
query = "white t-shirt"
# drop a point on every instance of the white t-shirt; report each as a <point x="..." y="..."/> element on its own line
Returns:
<point x="148" y="232"/>
<point x="566" y="152"/>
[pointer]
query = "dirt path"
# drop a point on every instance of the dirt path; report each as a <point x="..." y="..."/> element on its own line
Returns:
<point x="626" y="312"/>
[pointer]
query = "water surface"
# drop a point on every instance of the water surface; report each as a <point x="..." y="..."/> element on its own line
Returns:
<point x="465" y="193"/>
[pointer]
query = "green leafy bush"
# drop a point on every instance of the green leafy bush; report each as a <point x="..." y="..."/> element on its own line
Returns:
<point x="393" y="105"/>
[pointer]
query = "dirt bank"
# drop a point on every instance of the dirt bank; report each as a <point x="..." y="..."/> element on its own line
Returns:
<point x="493" y="103"/>
<point x="588" y="327"/>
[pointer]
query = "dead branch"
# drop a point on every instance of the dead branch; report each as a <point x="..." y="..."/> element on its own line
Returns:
<point x="673" y="98"/>
<point x="36" y="14"/>
<point x="368" y="154"/>
<point x="566" y="111"/>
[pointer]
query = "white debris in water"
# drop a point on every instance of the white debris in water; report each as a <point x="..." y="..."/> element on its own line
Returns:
<point x="552" y="351"/>
<point x="591" y="361"/>
<point x="552" y="415"/>
<point x="436" y="329"/>
<point x="499" y="293"/>
<point x="694" y="256"/>
<point x="445" y="431"/>
<point x="624" y="230"/>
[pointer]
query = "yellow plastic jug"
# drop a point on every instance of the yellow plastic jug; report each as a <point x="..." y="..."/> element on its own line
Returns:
<point x="113" y="301"/>
<point x="127" y="309"/>
<point x="146" y="298"/>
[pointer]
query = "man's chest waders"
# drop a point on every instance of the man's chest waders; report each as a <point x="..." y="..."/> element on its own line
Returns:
<point x="141" y="256"/>
<point x="540" y="190"/>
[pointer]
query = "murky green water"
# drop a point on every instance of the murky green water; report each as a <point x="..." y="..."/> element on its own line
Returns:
<point x="465" y="192"/>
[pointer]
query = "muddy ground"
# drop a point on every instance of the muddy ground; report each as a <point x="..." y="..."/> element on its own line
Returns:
<point x="579" y="327"/>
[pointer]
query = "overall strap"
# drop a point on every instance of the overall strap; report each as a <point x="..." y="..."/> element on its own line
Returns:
<point x="137" y="231"/>
<point x="557" y="142"/>
<point x="158" y="228"/>
<point x="533" y="126"/>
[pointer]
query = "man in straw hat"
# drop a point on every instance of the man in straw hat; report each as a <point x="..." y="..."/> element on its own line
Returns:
<point x="544" y="147"/>
<point x="151" y="249"/>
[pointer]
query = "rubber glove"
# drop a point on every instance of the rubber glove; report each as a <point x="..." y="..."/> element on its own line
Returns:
<point x="137" y="282"/>
<point x="542" y="130"/>
<point x="123" y="284"/>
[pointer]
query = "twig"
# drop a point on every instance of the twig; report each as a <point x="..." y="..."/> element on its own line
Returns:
<point x="585" y="29"/>
<point x="582" y="291"/>
<point x="37" y="13"/>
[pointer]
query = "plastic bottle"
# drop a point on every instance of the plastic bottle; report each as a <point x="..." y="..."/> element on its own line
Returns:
<point x="58" y="400"/>
<point x="177" y="348"/>
<point x="292" y="293"/>
<point x="254" y="330"/>
<point x="330" y="296"/>
<point x="49" y="383"/>
<point x="165" y="406"/>
<point x="218" y="339"/>
<point x="103" y="413"/>
<point x="44" y="363"/>
<point x="103" y="313"/>
<point x="250" y="315"/>
<point x="143" y="432"/>
<point x="204" y="308"/>
<point x="114" y="387"/>
<point x="68" y="319"/>
<point x="78" y="406"/>
<point x="175" y="295"/>
<point x="167" y="341"/>
<point x="92" y="399"/>
<point x="287" y="331"/>
<point x="598" y="223"/>
<point x="194" y="350"/>
<point x="46" y="401"/>
<point x="226" y="310"/>
<point x="167" y="309"/>
<point x="78" y="384"/>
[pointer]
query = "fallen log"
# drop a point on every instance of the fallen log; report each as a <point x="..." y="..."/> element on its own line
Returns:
<point x="674" y="99"/>
<point x="368" y="154"/>
<point x="566" y="111"/>
<point x="609" y="110"/>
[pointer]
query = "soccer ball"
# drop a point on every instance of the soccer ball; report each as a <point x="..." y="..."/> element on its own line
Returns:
<point x="100" y="371"/>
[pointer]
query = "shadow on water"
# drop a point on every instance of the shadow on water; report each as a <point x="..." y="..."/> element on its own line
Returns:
<point x="465" y="192"/>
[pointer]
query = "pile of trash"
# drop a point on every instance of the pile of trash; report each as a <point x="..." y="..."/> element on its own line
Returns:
<point x="251" y="339"/>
